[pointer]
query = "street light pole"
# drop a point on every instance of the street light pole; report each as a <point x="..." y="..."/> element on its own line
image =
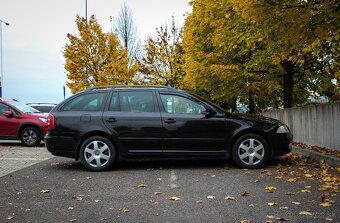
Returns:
<point x="86" y="10"/>
<point x="1" y="63"/>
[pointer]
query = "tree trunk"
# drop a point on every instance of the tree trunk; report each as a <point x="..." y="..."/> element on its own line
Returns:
<point x="288" y="83"/>
<point x="251" y="102"/>
<point x="233" y="104"/>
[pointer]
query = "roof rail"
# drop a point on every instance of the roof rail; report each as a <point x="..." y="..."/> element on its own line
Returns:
<point x="126" y="86"/>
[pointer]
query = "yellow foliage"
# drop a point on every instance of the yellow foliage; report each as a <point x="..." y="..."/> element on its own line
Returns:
<point x="95" y="58"/>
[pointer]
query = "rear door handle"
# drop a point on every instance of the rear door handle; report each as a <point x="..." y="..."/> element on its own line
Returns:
<point x="170" y="120"/>
<point x="111" y="119"/>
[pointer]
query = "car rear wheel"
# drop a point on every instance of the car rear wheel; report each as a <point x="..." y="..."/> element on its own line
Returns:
<point x="30" y="136"/>
<point x="250" y="151"/>
<point x="97" y="153"/>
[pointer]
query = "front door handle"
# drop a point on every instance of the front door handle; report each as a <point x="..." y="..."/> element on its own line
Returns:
<point x="111" y="119"/>
<point x="170" y="120"/>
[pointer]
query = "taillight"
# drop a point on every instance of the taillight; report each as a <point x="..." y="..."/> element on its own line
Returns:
<point x="50" y="122"/>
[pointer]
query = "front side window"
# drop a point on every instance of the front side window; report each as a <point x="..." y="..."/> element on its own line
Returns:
<point x="3" y="108"/>
<point x="136" y="102"/>
<point x="175" y="104"/>
<point x="86" y="102"/>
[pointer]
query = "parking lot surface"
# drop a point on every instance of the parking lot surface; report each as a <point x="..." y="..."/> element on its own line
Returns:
<point x="61" y="190"/>
<point x="13" y="156"/>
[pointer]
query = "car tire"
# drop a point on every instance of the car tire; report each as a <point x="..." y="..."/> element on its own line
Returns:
<point x="250" y="151"/>
<point x="97" y="153"/>
<point x="30" y="136"/>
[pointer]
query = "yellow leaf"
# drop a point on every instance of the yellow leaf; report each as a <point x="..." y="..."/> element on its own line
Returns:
<point x="272" y="204"/>
<point x="308" y="175"/>
<point x="326" y="204"/>
<point x="305" y="191"/>
<point x="211" y="197"/>
<point x="306" y="213"/>
<point x="307" y="187"/>
<point x="290" y="193"/>
<point x="174" y="198"/>
<point x="124" y="210"/>
<point x="10" y="217"/>
<point x="278" y="177"/>
<point x="292" y="180"/>
<point x="229" y="198"/>
<point x="44" y="191"/>
<point x="270" y="189"/>
<point x="142" y="185"/>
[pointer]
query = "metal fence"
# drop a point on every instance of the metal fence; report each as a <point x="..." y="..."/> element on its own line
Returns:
<point x="314" y="125"/>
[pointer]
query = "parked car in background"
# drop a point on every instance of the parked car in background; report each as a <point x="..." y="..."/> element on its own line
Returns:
<point x="102" y="125"/>
<point x="42" y="107"/>
<point x="19" y="121"/>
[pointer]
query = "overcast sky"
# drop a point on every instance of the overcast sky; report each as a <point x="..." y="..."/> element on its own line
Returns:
<point x="33" y="64"/>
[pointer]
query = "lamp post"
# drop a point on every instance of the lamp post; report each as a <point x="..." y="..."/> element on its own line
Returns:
<point x="1" y="65"/>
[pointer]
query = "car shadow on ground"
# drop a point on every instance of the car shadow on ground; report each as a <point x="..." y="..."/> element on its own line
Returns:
<point x="65" y="164"/>
<point x="17" y="144"/>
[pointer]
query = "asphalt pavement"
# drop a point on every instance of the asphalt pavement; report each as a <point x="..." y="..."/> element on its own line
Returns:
<point x="61" y="190"/>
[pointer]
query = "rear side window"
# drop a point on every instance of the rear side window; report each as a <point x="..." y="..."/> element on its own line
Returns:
<point x="136" y="102"/>
<point x="86" y="102"/>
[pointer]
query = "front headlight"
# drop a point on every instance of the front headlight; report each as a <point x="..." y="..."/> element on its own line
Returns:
<point x="282" y="129"/>
<point x="44" y="120"/>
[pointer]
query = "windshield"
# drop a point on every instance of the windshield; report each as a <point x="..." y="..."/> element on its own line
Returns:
<point x="23" y="107"/>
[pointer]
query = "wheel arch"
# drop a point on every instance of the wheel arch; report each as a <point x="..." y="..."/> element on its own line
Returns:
<point x="29" y="124"/>
<point x="96" y="133"/>
<point x="249" y="131"/>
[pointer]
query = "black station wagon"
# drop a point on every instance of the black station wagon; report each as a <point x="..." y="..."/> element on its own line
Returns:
<point x="103" y="125"/>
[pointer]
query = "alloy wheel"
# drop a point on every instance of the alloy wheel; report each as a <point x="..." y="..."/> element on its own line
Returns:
<point x="251" y="151"/>
<point x="97" y="153"/>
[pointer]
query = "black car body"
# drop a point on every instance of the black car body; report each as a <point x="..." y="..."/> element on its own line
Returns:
<point x="102" y="125"/>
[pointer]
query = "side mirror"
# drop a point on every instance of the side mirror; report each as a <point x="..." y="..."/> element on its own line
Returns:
<point x="208" y="112"/>
<point x="8" y="114"/>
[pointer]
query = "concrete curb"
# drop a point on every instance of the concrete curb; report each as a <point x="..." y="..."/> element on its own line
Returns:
<point x="330" y="160"/>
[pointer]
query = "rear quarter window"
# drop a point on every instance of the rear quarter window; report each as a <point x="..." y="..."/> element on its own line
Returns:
<point x="86" y="102"/>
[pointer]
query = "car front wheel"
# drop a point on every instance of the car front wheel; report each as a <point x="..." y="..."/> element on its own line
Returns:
<point x="97" y="153"/>
<point x="30" y="136"/>
<point x="250" y="151"/>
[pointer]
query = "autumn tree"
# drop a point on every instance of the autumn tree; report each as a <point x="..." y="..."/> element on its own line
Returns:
<point x="127" y="33"/>
<point x="163" y="60"/>
<point x="302" y="38"/>
<point x="218" y="49"/>
<point x="95" y="58"/>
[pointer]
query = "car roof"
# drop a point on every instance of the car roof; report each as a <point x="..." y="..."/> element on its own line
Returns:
<point x="41" y="104"/>
<point x="7" y="99"/>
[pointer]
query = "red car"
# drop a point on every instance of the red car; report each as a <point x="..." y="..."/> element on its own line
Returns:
<point x="19" y="121"/>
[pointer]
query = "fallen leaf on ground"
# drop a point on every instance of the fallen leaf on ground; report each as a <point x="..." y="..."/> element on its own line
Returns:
<point x="97" y="201"/>
<point x="44" y="191"/>
<point x="272" y="204"/>
<point x="270" y="189"/>
<point x="88" y="178"/>
<point x="329" y="219"/>
<point x="124" y="210"/>
<point x="173" y="198"/>
<point x="307" y="187"/>
<point x="326" y="204"/>
<point x="245" y="194"/>
<point x="245" y="221"/>
<point x="292" y="180"/>
<point x="10" y="217"/>
<point x="284" y="208"/>
<point x="306" y="213"/>
<point x="211" y="197"/>
<point x="281" y="219"/>
<point x="142" y="185"/>
<point x="103" y="219"/>
<point x="156" y="193"/>
<point x="229" y="198"/>
<point x="70" y="208"/>
<point x="305" y="191"/>
<point x="308" y="175"/>
<point x="78" y="198"/>
<point x="278" y="177"/>
<point x="295" y="202"/>
<point x="251" y="205"/>
<point x="290" y="193"/>
<point x="72" y="220"/>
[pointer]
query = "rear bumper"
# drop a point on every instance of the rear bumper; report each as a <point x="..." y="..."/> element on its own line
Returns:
<point x="60" y="145"/>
